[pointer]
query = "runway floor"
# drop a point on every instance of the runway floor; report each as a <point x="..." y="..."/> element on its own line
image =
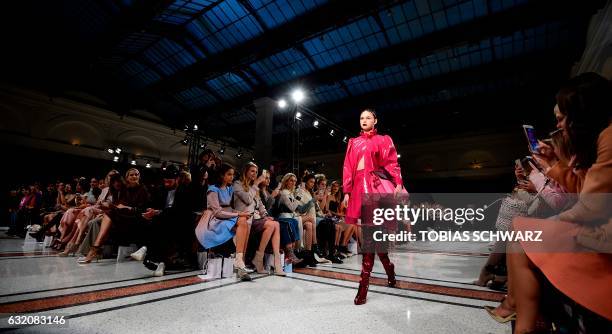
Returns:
<point x="434" y="295"/>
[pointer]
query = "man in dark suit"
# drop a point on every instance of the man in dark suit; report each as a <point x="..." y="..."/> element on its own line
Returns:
<point x="169" y="233"/>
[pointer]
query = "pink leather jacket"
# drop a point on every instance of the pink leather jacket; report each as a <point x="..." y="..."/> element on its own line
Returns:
<point x="378" y="152"/>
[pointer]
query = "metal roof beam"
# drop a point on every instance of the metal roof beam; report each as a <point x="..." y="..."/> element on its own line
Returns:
<point x="333" y="13"/>
<point x="501" y="23"/>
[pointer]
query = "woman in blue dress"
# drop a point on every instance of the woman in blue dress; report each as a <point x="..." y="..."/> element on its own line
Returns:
<point x="225" y="222"/>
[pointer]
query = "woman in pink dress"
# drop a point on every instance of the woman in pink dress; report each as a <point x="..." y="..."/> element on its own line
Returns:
<point x="370" y="169"/>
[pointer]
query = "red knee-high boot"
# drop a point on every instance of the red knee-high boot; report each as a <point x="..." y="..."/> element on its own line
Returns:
<point x="389" y="269"/>
<point x="364" y="283"/>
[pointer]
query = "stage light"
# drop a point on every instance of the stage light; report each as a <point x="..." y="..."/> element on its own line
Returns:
<point x="331" y="132"/>
<point x="133" y="162"/>
<point x="297" y="95"/>
<point x="117" y="150"/>
<point x="315" y="124"/>
<point x="195" y="127"/>
<point x="203" y="145"/>
<point x="252" y="159"/>
<point x="222" y="150"/>
<point x="345" y="139"/>
<point x="148" y="165"/>
<point x="115" y="158"/>
<point x="298" y="116"/>
<point x="282" y="103"/>
<point x="185" y="141"/>
<point x="399" y="156"/>
<point x="110" y="150"/>
<point x="239" y="155"/>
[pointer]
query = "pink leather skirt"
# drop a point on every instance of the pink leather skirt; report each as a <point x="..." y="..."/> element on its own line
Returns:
<point x="377" y="194"/>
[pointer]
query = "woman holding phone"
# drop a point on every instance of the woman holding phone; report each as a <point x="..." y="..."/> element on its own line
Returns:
<point x="370" y="169"/>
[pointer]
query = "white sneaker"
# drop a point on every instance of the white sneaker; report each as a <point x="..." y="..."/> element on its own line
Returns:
<point x="140" y="254"/>
<point x="161" y="267"/>
<point x="320" y="259"/>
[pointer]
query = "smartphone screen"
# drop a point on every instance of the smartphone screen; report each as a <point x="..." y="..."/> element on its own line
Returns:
<point x="531" y="138"/>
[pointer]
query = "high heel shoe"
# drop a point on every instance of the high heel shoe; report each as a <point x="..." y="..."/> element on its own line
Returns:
<point x="95" y="252"/>
<point x="278" y="268"/>
<point x="290" y="258"/>
<point x="501" y="319"/>
<point x="258" y="262"/>
<point x="242" y="274"/>
<point x="71" y="248"/>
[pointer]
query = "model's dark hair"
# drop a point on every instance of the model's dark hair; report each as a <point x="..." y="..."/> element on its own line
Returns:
<point x="306" y="178"/>
<point x="586" y="102"/>
<point x="111" y="189"/>
<point x="85" y="186"/>
<point x="225" y="167"/>
<point x="370" y="110"/>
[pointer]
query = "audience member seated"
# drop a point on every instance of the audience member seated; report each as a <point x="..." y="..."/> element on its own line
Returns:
<point x="262" y="227"/>
<point x="26" y="210"/>
<point x="123" y="220"/>
<point x="305" y="197"/>
<point x="532" y="185"/>
<point x="107" y="199"/>
<point x="344" y="231"/>
<point x="226" y="223"/>
<point x="288" y="210"/>
<point x="569" y="260"/>
<point x="168" y="233"/>
<point x="68" y="224"/>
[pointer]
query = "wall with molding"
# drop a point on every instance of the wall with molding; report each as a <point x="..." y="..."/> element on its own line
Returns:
<point x="35" y="120"/>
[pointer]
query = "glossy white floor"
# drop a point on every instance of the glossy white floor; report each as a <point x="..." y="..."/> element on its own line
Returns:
<point x="110" y="297"/>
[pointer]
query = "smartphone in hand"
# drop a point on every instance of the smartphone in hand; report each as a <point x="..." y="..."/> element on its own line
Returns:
<point x="532" y="140"/>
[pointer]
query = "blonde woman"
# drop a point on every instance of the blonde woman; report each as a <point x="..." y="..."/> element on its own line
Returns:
<point x="246" y="199"/>
<point x="305" y="198"/>
<point x="287" y="217"/>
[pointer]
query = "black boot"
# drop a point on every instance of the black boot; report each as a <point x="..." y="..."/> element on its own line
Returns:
<point x="39" y="236"/>
<point x="342" y="249"/>
<point x="302" y="257"/>
<point x="317" y="250"/>
<point x="150" y="264"/>
<point x="310" y="259"/>
<point x="333" y="256"/>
